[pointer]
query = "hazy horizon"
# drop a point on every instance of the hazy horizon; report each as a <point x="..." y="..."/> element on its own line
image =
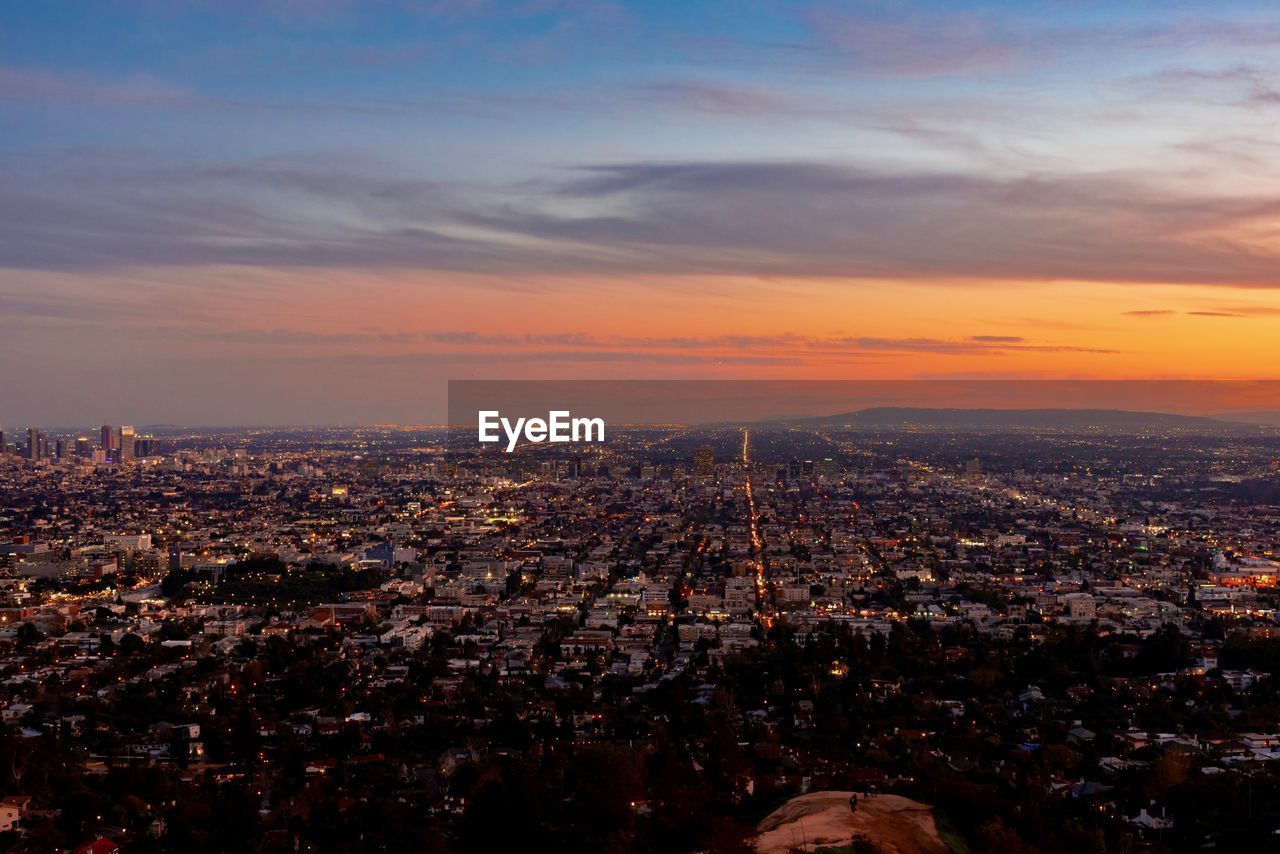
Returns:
<point x="709" y="402"/>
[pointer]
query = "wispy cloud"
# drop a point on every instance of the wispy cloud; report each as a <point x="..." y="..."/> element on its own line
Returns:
<point x="1251" y="310"/>
<point x="827" y="219"/>
<point x="802" y="218"/>
<point x="1248" y="86"/>
<point x="792" y="345"/>
<point x="915" y="40"/>
<point x="730" y="99"/>
<point x="44" y="87"/>
<point x="1234" y="311"/>
<point x="970" y="346"/>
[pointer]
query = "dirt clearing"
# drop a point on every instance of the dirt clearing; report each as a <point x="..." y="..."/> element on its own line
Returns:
<point x="893" y="824"/>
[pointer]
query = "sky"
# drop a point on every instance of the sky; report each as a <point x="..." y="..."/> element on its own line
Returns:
<point x="320" y="211"/>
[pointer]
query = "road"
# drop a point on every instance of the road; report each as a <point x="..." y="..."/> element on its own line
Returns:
<point x="766" y="600"/>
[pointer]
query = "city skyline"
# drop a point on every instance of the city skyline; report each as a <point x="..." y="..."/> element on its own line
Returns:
<point x="319" y="212"/>
<point x="115" y="445"/>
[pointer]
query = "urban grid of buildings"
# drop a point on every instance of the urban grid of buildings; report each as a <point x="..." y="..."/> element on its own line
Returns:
<point x="308" y="640"/>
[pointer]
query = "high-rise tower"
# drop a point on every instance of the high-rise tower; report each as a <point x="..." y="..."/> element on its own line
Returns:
<point x="126" y="443"/>
<point x="109" y="443"/>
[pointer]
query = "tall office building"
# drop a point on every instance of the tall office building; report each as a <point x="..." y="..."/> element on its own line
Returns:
<point x="4" y="445"/>
<point x="704" y="463"/>
<point x="126" y="443"/>
<point x="82" y="447"/>
<point x="33" y="444"/>
<point x="828" y="468"/>
<point x="109" y="444"/>
<point x="60" y="448"/>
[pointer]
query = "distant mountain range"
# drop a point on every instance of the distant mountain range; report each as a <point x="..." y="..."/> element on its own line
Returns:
<point x="1269" y="417"/>
<point x="1035" y="419"/>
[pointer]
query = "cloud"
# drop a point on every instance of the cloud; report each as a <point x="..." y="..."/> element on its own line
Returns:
<point x="135" y="216"/>
<point x="1244" y="85"/>
<point x="507" y="358"/>
<point x="1234" y="311"/>
<point x="918" y="40"/>
<point x="731" y="99"/>
<point x="965" y="347"/>
<point x="827" y="219"/>
<point x="1248" y="311"/>
<point x="33" y="306"/>
<point x="482" y="348"/>
<point x="42" y="87"/>
<point x="790" y="344"/>
<point x="914" y="41"/>
<point x="735" y="218"/>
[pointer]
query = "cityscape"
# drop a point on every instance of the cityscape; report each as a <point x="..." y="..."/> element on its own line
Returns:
<point x="626" y="427"/>
<point x="684" y="638"/>
<point x="115" y="445"/>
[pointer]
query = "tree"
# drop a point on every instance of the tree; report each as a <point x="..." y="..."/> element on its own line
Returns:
<point x="131" y="644"/>
<point x="28" y="635"/>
